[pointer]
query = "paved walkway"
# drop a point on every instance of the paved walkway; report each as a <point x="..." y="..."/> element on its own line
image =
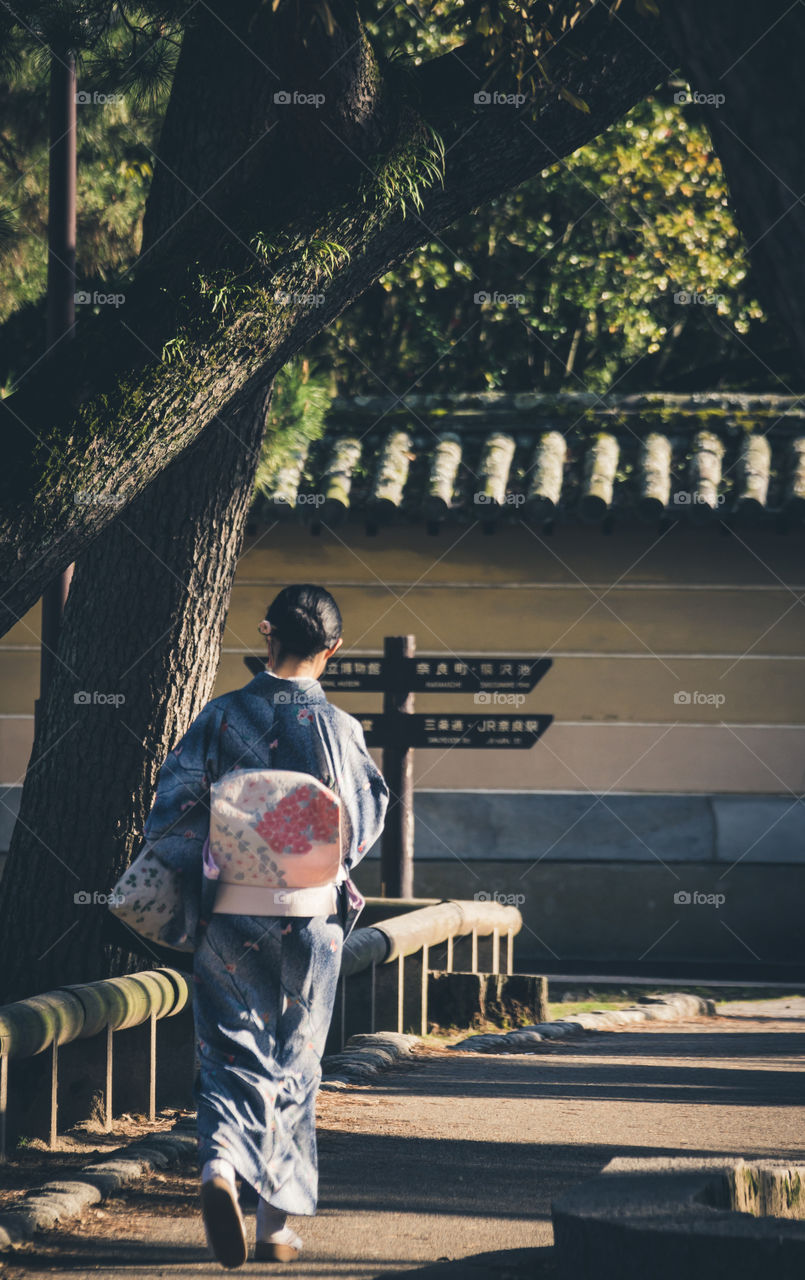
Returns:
<point x="454" y="1162"/>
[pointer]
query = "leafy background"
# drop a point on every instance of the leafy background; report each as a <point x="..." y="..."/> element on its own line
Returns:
<point x="596" y="250"/>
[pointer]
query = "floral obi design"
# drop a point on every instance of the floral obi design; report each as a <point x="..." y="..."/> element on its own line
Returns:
<point x="273" y="828"/>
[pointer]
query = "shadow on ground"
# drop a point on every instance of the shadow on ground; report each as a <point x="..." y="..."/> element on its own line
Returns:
<point x="502" y="1264"/>
<point x="687" y="1077"/>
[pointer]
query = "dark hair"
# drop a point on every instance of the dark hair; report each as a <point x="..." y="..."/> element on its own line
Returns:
<point x="306" y="619"/>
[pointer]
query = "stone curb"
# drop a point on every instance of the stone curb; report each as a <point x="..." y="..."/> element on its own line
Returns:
<point x="50" y="1204"/>
<point x="712" y="1216"/>
<point x="365" y="1056"/>
<point x="670" y="1008"/>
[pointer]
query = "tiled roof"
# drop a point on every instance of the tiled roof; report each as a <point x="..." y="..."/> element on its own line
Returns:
<point x="499" y="456"/>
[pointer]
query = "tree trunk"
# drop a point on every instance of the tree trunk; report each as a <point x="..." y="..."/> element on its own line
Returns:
<point x="146" y="610"/>
<point x="743" y="59"/>
<point x="247" y="196"/>
<point x="143" y="626"/>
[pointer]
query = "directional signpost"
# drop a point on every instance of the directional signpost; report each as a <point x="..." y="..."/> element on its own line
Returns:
<point x="435" y="675"/>
<point x="398" y="675"/>
<point x="487" y="731"/>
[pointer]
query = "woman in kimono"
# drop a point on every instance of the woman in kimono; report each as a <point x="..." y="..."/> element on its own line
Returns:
<point x="264" y="985"/>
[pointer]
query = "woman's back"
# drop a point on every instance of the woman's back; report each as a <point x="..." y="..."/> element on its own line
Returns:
<point x="265" y="970"/>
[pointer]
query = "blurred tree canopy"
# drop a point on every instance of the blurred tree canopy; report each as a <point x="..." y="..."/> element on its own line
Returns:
<point x="579" y="270"/>
<point x="594" y="255"/>
<point x="479" y="192"/>
<point x="115" y="165"/>
<point x="116" y="135"/>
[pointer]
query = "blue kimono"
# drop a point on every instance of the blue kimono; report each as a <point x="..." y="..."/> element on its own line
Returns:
<point x="264" y="987"/>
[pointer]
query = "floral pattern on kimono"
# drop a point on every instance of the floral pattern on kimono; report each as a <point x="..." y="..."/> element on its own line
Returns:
<point x="261" y="726"/>
<point x="264" y="986"/>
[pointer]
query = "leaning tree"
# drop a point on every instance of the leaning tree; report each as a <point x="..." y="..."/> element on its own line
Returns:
<point x="297" y="159"/>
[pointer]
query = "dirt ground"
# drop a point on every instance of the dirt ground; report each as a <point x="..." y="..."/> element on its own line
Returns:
<point x="447" y="1169"/>
<point x="33" y="1163"/>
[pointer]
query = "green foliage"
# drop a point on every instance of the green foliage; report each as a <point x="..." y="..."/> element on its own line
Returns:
<point x="517" y="39"/>
<point x="174" y="350"/>
<point x="115" y="164"/>
<point x="321" y="254"/>
<point x="324" y="255"/>
<point x="593" y="251"/>
<point x="265" y="248"/>
<point x="225" y="291"/>
<point x="594" y="248"/>
<point x="296" y="419"/>
<point x="400" y="178"/>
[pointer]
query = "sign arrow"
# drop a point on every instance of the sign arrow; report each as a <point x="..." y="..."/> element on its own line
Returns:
<point x="475" y="674"/>
<point x="486" y="732"/>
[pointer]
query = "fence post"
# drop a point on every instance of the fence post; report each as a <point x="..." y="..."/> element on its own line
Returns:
<point x="496" y="951"/>
<point x="343" y="1036"/>
<point x="450" y="954"/>
<point x="107" y="1100"/>
<point x="400" y="990"/>
<point x="53" y="1128"/>
<point x="373" y="988"/>
<point x="3" y="1104"/>
<point x="510" y="951"/>
<point x="423" y="1027"/>
<point x="397" y="842"/>
<point x="474" y="961"/>
<point x="152" y="1067"/>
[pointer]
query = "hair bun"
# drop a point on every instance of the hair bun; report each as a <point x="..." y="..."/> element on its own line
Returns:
<point x="306" y="619"/>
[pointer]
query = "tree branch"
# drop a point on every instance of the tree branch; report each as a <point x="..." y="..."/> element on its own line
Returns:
<point x="73" y="469"/>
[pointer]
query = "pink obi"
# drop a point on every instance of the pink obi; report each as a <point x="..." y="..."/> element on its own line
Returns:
<point x="275" y="843"/>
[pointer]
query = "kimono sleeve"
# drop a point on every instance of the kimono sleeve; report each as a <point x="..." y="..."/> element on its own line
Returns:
<point x="366" y="795"/>
<point x="180" y="810"/>
<point x="179" y="821"/>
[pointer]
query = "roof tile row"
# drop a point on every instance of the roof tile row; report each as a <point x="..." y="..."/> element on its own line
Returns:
<point x="499" y="456"/>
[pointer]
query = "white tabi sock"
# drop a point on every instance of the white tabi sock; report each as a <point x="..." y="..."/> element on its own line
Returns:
<point x="271" y="1226"/>
<point x="219" y="1168"/>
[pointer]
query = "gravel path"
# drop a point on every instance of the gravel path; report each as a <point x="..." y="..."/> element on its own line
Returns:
<point x="457" y="1158"/>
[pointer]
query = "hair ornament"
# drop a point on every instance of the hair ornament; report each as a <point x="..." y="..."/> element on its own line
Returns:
<point x="264" y="627"/>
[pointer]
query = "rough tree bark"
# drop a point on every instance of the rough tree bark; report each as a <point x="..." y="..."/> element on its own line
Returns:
<point x="233" y="164"/>
<point x="143" y="623"/>
<point x="147" y="606"/>
<point x="743" y="59"/>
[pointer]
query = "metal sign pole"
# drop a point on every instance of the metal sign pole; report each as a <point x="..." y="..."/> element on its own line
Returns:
<point x="398" y="729"/>
<point x="397" y="848"/>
